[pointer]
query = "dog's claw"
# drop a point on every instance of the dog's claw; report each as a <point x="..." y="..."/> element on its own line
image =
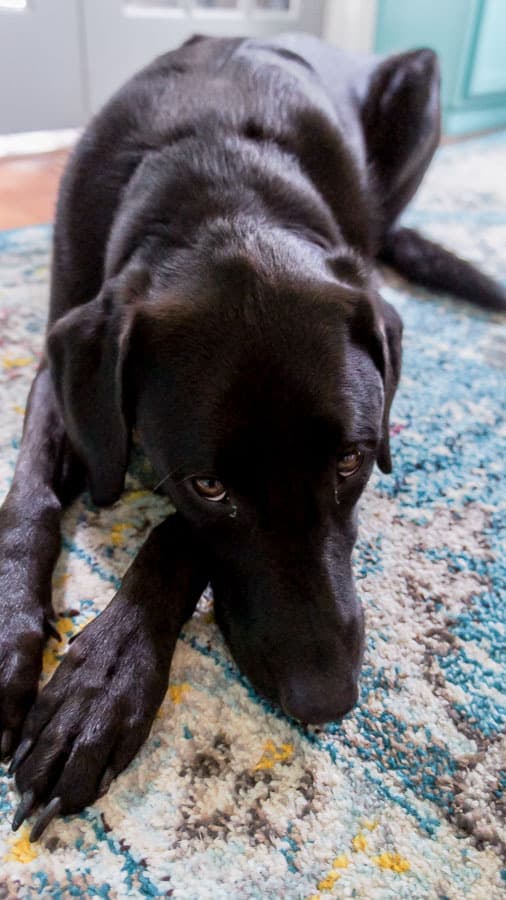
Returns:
<point x="6" y="745"/>
<point x="24" y="809"/>
<point x="49" y="812"/>
<point x="107" y="779"/>
<point x="20" y="754"/>
<point x="51" y="629"/>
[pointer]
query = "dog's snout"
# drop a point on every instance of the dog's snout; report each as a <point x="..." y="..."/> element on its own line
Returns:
<point x="315" y="700"/>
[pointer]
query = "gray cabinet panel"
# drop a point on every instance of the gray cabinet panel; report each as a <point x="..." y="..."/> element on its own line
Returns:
<point x="41" y="84"/>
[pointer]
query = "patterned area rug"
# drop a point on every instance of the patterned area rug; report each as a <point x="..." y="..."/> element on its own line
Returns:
<point x="404" y="798"/>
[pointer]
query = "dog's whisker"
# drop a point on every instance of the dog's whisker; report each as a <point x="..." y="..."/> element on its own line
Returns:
<point x="162" y="481"/>
<point x="166" y="477"/>
<point x="179" y="480"/>
<point x="186" y="478"/>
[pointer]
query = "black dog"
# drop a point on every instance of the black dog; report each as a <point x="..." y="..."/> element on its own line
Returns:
<point x="213" y="287"/>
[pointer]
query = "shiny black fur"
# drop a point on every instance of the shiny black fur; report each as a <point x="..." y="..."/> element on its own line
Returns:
<point x="213" y="288"/>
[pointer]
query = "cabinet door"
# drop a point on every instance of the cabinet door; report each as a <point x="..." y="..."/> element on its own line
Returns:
<point x="123" y="35"/>
<point x="489" y="66"/>
<point x="470" y="39"/>
<point x="447" y="26"/>
<point x="40" y="70"/>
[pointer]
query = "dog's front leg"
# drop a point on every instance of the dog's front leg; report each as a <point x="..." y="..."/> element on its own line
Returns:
<point x="97" y="710"/>
<point x="48" y="475"/>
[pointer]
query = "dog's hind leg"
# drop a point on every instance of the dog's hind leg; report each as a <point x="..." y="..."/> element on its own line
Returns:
<point x="47" y="476"/>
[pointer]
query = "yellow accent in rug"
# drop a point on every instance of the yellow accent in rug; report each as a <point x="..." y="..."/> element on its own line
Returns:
<point x="49" y="660"/>
<point x="60" y="580"/>
<point x="359" y="842"/>
<point x="272" y="754"/>
<point x="341" y="862"/>
<point x="15" y="362"/>
<point x="117" y="536"/>
<point x="327" y="883"/>
<point x="178" y="691"/>
<point x="21" y="849"/>
<point x="132" y="496"/>
<point x="64" y="625"/>
<point x="393" y="861"/>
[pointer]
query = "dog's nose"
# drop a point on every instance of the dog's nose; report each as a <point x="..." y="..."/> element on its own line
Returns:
<point x="313" y="701"/>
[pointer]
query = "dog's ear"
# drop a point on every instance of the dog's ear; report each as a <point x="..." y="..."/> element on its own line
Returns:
<point x="390" y="326"/>
<point x="86" y="351"/>
<point x="378" y="327"/>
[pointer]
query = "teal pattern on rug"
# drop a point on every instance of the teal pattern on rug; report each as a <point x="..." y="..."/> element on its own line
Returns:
<point x="405" y="797"/>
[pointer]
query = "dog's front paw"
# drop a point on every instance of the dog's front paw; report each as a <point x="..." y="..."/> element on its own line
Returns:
<point x="88" y="722"/>
<point x="21" y="644"/>
<point x="26" y="619"/>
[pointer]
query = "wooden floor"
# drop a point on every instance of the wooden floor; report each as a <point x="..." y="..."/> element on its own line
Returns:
<point x="28" y="186"/>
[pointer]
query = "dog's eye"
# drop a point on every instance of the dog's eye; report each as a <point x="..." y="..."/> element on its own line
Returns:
<point x="350" y="463"/>
<point x="210" y="488"/>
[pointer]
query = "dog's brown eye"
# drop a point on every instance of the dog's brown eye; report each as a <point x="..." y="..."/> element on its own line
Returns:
<point x="210" y="488"/>
<point x="350" y="462"/>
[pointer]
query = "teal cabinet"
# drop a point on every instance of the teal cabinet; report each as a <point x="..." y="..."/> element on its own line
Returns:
<point x="470" y="39"/>
<point x="488" y="72"/>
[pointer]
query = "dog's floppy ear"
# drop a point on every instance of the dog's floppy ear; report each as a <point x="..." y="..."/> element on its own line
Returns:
<point x="86" y="351"/>
<point x="390" y="326"/>
<point x="378" y="327"/>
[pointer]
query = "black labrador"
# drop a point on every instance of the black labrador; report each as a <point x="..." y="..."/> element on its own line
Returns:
<point x="213" y="288"/>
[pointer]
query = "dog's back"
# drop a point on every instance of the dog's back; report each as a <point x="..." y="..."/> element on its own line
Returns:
<point x="321" y="141"/>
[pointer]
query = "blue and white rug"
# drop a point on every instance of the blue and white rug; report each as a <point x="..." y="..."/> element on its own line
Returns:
<point x="405" y="797"/>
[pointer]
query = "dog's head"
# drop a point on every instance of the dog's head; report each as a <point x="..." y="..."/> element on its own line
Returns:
<point x="261" y="395"/>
